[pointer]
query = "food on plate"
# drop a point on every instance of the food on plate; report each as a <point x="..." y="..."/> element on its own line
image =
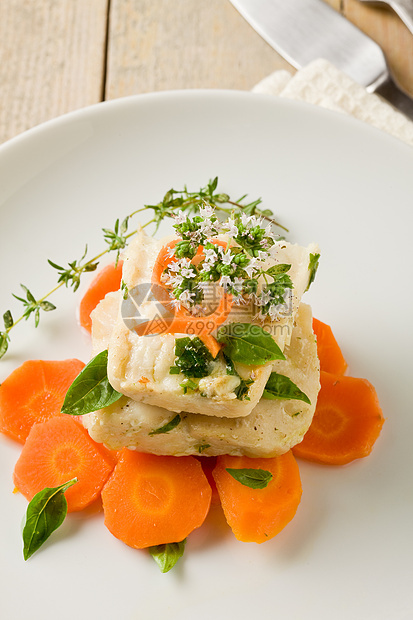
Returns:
<point x="57" y="451"/>
<point x="151" y="500"/>
<point x="272" y="428"/>
<point x="346" y="424"/>
<point x="34" y="392"/>
<point x="204" y="382"/>
<point x="255" y="513"/>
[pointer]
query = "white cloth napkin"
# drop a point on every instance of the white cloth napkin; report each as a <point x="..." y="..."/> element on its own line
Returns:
<point x="323" y="84"/>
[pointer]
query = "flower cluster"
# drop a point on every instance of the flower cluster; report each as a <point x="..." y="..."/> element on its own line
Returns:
<point x="238" y="264"/>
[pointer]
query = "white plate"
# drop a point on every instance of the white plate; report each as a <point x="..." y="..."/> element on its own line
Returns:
<point x="348" y="552"/>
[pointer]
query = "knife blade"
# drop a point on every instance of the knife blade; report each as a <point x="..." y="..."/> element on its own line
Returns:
<point x="304" y="30"/>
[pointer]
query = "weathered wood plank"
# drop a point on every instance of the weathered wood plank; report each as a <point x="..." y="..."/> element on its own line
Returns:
<point x="51" y="59"/>
<point x="390" y="33"/>
<point x="160" y="45"/>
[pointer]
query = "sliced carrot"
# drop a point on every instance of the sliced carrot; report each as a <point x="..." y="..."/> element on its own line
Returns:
<point x="34" y="392"/>
<point x="256" y="515"/>
<point x="208" y="465"/>
<point x="347" y="421"/>
<point x="106" y="281"/>
<point x="329" y="353"/>
<point x="153" y="500"/>
<point x="57" y="451"/>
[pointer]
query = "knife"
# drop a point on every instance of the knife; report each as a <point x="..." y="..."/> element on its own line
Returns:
<point x="304" y="30"/>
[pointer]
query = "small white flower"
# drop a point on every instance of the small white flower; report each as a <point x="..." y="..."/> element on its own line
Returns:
<point x="225" y="281"/>
<point x="262" y="255"/>
<point x="206" y="268"/>
<point x="174" y="281"/>
<point x="207" y="211"/>
<point x="226" y="257"/>
<point x="185" y="263"/>
<point x="186" y="296"/>
<point x="230" y="227"/>
<point x="251" y="268"/>
<point x="245" y="220"/>
<point x="238" y="284"/>
<point x="170" y="252"/>
<point x="188" y="273"/>
<point x="264" y="298"/>
<point x="210" y="256"/>
<point x="173" y="266"/>
<point x="175" y="303"/>
<point x="273" y="312"/>
<point x="180" y="217"/>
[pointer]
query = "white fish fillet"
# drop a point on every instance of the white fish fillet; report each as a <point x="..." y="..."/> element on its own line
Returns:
<point x="272" y="428"/>
<point x="138" y="366"/>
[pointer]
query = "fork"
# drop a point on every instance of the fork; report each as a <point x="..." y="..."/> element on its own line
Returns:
<point x="403" y="8"/>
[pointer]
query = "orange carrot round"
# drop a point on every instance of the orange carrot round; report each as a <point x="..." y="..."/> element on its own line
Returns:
<point x="256" y="515"/>
<point x="106" y="281"/>
<point x="57" y="451"/>
<point x="347" y="421"/>
<point x="34" y="392"/>
<point x="329" y="353"/>
<point x="153" y="500"/>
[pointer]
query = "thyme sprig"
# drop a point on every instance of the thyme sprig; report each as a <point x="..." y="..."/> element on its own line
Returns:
<point x="116" y="240"/>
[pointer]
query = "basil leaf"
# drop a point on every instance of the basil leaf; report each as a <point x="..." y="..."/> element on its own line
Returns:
<point x="252" y="478"/>
<point x="91" y="389"/>
<point x="166" y="556"/>
<point x="275" y="270"/>
<point x="281" y="387"/>
<point x="312" y="268"/>
<point x="45" y="513"/>
<point x="169" y="426"/>
<point x="249" y="344"/>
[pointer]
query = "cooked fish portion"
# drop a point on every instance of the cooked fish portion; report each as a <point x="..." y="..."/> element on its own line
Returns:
<point x="139" y="366"/>
<point x="272" y="428"/>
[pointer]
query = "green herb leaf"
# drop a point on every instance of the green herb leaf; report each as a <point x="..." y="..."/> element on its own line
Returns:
<point x="45" y="513"/>
<point x="47" y="306"/>
<point x="193" y="357"/>
<point x="8" y="319"/>
<point x="169" y="426"/>
<point x="312" y="268"/>
<point x="242" y="390"/>
<point x="249" y="344"/>
<point x="281" y="387"/>
<point x="252" y="478"/>
<point x="166" y="556"/>
<point x="203" y="446"/>
<point x="4" y="343"/>
<point x="275" y="270"/>
<point x="91" y="389"/>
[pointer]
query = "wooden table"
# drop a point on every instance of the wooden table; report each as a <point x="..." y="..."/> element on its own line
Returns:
<point x="61" y="55"/>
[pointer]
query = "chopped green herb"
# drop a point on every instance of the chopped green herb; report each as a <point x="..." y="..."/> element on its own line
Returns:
<point x="242" y="390"/>
<point x="193" y="357"/>
<point x="169" y="426"/>
<point x="188" y="384"/>
<point x="252" y="478"/>
<point x="202" y="447"/>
